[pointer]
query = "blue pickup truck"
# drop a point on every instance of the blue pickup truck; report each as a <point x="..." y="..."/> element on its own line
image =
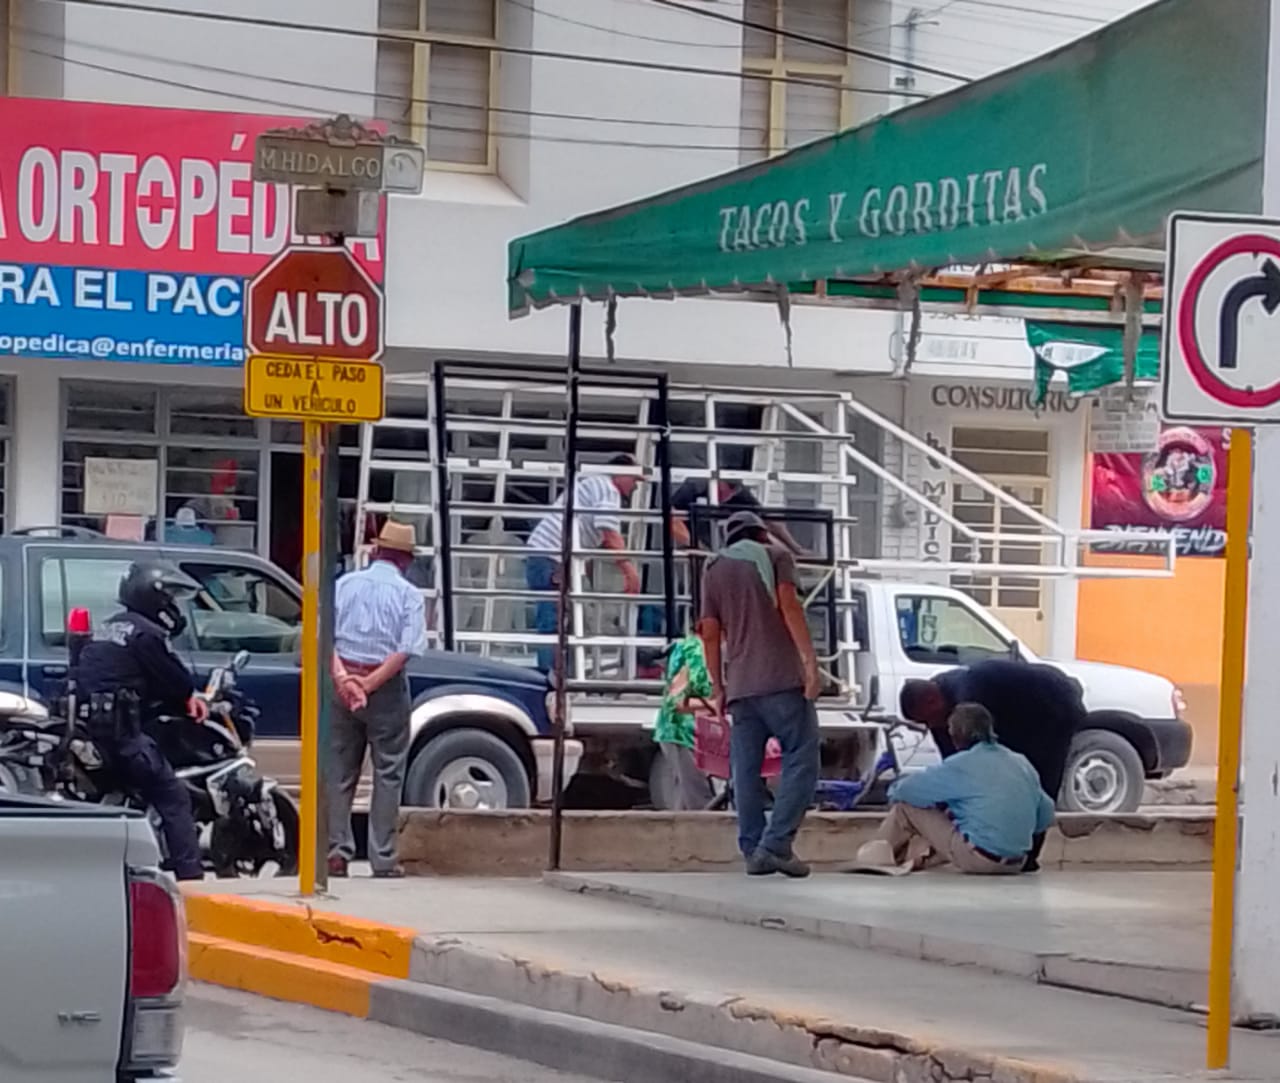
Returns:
<point x="481" y="730"/>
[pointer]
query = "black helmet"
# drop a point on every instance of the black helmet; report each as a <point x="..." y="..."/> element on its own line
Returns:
<point x="153" y="589"/>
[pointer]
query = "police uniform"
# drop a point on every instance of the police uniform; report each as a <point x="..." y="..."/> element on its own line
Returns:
<point x="129" y="673"/>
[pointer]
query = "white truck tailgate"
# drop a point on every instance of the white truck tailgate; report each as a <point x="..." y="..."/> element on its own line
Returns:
<point x="63" y="946"/>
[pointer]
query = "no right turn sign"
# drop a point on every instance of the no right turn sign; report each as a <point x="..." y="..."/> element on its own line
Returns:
<point x="1220" y="360"/>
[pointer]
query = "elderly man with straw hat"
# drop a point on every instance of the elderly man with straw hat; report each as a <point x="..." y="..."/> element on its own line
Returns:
<point x="379" y="624"/>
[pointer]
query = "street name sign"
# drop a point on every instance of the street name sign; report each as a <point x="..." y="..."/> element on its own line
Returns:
<point x="340" y="154"/>
<point x="315" y="302"/>
<point x="1220" y="357"/>
<point x="313" y="389"/>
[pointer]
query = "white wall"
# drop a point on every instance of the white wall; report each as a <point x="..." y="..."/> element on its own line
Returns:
<point x="136" y="58"/>
<point x="971" y="38"/>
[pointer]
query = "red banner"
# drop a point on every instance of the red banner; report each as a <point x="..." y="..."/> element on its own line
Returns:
<point x="129" y="187"/>
<point x="1181" y="487"/>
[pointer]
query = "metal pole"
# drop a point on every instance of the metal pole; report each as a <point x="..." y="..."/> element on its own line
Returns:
<point x="560" y="672"/>
<point x="664" y="492"/>
<point x="444" y="543"/>
<point x="312" y="667"/>
<point x="1226" y="818"/>
<point x="329" y="553"/>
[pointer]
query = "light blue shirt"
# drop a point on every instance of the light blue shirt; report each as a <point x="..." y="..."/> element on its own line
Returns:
<point x="378" y="613"/>
<point x="992" y="792"/>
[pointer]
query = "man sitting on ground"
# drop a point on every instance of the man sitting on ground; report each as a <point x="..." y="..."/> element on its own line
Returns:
<point x="978" y="809"/>
<point x="1037" y="710"/>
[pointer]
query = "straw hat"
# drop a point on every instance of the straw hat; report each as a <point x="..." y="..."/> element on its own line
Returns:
<point x="398" y="536"/>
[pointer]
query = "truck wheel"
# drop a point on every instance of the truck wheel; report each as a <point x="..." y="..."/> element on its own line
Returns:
<point x="1104" y="774"/>
<point x="19" y="780"/>
<point x="467" y="769"/>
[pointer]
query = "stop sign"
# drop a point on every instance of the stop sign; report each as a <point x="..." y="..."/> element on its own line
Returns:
<point x="314" y="302"/>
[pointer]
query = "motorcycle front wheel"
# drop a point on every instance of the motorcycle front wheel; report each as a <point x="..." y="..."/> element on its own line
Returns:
<point x="236" y="848"/>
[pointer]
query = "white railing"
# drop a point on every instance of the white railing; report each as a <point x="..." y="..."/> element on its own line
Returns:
<point x="508" y="439"/>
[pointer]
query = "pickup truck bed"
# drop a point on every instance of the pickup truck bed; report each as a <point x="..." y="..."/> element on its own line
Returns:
<point x="65" y="889"/>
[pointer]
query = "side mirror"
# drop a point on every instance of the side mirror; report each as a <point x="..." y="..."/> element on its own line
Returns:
<point x="1015" y="652"/>
<point x="240" y="660"/>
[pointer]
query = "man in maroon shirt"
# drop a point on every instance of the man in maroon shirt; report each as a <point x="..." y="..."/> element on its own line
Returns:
<point x="766" y="675"/>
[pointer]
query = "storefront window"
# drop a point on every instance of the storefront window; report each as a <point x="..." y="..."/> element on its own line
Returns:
<point x="206" y="453"/>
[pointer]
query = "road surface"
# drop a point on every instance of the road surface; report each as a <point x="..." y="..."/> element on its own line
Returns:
<point x="246" y="1039"/>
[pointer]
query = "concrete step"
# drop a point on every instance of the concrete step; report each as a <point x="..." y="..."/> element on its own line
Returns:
<point x="1153" y="981"/>
<point x="433" y="841"/>
<point x="791" y="1000"/>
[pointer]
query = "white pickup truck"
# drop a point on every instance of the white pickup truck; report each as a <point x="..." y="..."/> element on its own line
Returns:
<point x="93" y="949"/>
<point x="1135" y="730"/>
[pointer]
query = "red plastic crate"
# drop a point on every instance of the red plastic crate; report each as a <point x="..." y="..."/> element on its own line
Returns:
<point x="711" y="749"/>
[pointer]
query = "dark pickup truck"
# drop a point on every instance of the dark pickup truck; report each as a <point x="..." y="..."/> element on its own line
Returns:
<point x="481" y="731"/>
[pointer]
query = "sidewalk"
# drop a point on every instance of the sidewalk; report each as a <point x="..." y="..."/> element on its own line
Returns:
<point x="1142" y="935"/>
<point x="796" y="999"/>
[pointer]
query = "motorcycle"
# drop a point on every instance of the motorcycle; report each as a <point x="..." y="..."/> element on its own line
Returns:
<point x="246" y="821"/>
<point x="31" y="742"/>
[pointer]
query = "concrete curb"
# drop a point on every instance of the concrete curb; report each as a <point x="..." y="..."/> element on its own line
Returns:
<point x="717" y="1019"/>
<point x="299" y="929"/>
<point x="1168" y="987"/>
<point x="571" y="1043"/>
<point x="571" y="1021"/>
<point x="255" y="969"/>
<point x="443" y="842"/>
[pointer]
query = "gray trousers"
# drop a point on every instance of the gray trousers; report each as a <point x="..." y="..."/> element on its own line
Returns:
<point x="692" y="790"/>
<point x="381" y="726"/>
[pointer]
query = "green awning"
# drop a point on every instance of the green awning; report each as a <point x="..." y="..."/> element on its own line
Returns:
<point x="1085" y="149"/>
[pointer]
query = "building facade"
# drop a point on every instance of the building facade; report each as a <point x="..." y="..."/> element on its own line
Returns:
<point x="128" y="224"/>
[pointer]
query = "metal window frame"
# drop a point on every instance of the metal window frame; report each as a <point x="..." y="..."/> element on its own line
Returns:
<point x="993" y="583"/>
<point x="780" y="67"/>
<point x="162" y="439"/>
<point x="422" y="40"/>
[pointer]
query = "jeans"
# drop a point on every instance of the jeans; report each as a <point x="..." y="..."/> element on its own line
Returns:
<point x="793" y="720"/>
<point x="540" y="573"/>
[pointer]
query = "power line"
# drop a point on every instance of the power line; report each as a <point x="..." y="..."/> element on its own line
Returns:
<point x="28" y="32"/>
<point x="735" y="46"/>
<point x="295" y="107"/>
<point x="496" y="47"/>
<point x="1035" y="11"/>
<point x="809" y="39"/>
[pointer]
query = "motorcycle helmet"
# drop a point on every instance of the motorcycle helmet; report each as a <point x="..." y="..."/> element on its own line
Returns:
<point x="154" y="589"/>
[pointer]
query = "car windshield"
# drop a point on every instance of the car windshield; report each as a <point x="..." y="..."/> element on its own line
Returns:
<point x="241" y="608"/>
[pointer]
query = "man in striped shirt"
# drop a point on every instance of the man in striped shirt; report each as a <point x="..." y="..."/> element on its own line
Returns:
<point x="379" y="624"/>
<point x="597" y="500"/>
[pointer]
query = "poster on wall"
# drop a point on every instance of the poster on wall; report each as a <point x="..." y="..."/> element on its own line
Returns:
<point x="120" y="486"/>
<point x="1180" y="488"/>
<point x="128" y="233"/>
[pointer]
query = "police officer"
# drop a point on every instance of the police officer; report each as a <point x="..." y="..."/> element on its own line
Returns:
<point x="1037" y="710"/>
<point x="129" y="673"/>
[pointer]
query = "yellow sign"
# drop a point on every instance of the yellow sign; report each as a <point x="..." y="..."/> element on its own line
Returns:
<point x="313" y="388"/>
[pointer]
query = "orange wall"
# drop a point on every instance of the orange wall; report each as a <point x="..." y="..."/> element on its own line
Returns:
<point x="1168" y="626"/>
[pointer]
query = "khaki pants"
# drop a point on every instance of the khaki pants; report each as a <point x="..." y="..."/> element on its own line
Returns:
<point x="929" y="836"/>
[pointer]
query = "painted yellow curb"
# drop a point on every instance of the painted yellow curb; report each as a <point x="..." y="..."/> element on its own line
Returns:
<point x="297" y="929"/>
<point x="255" y="969"/>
